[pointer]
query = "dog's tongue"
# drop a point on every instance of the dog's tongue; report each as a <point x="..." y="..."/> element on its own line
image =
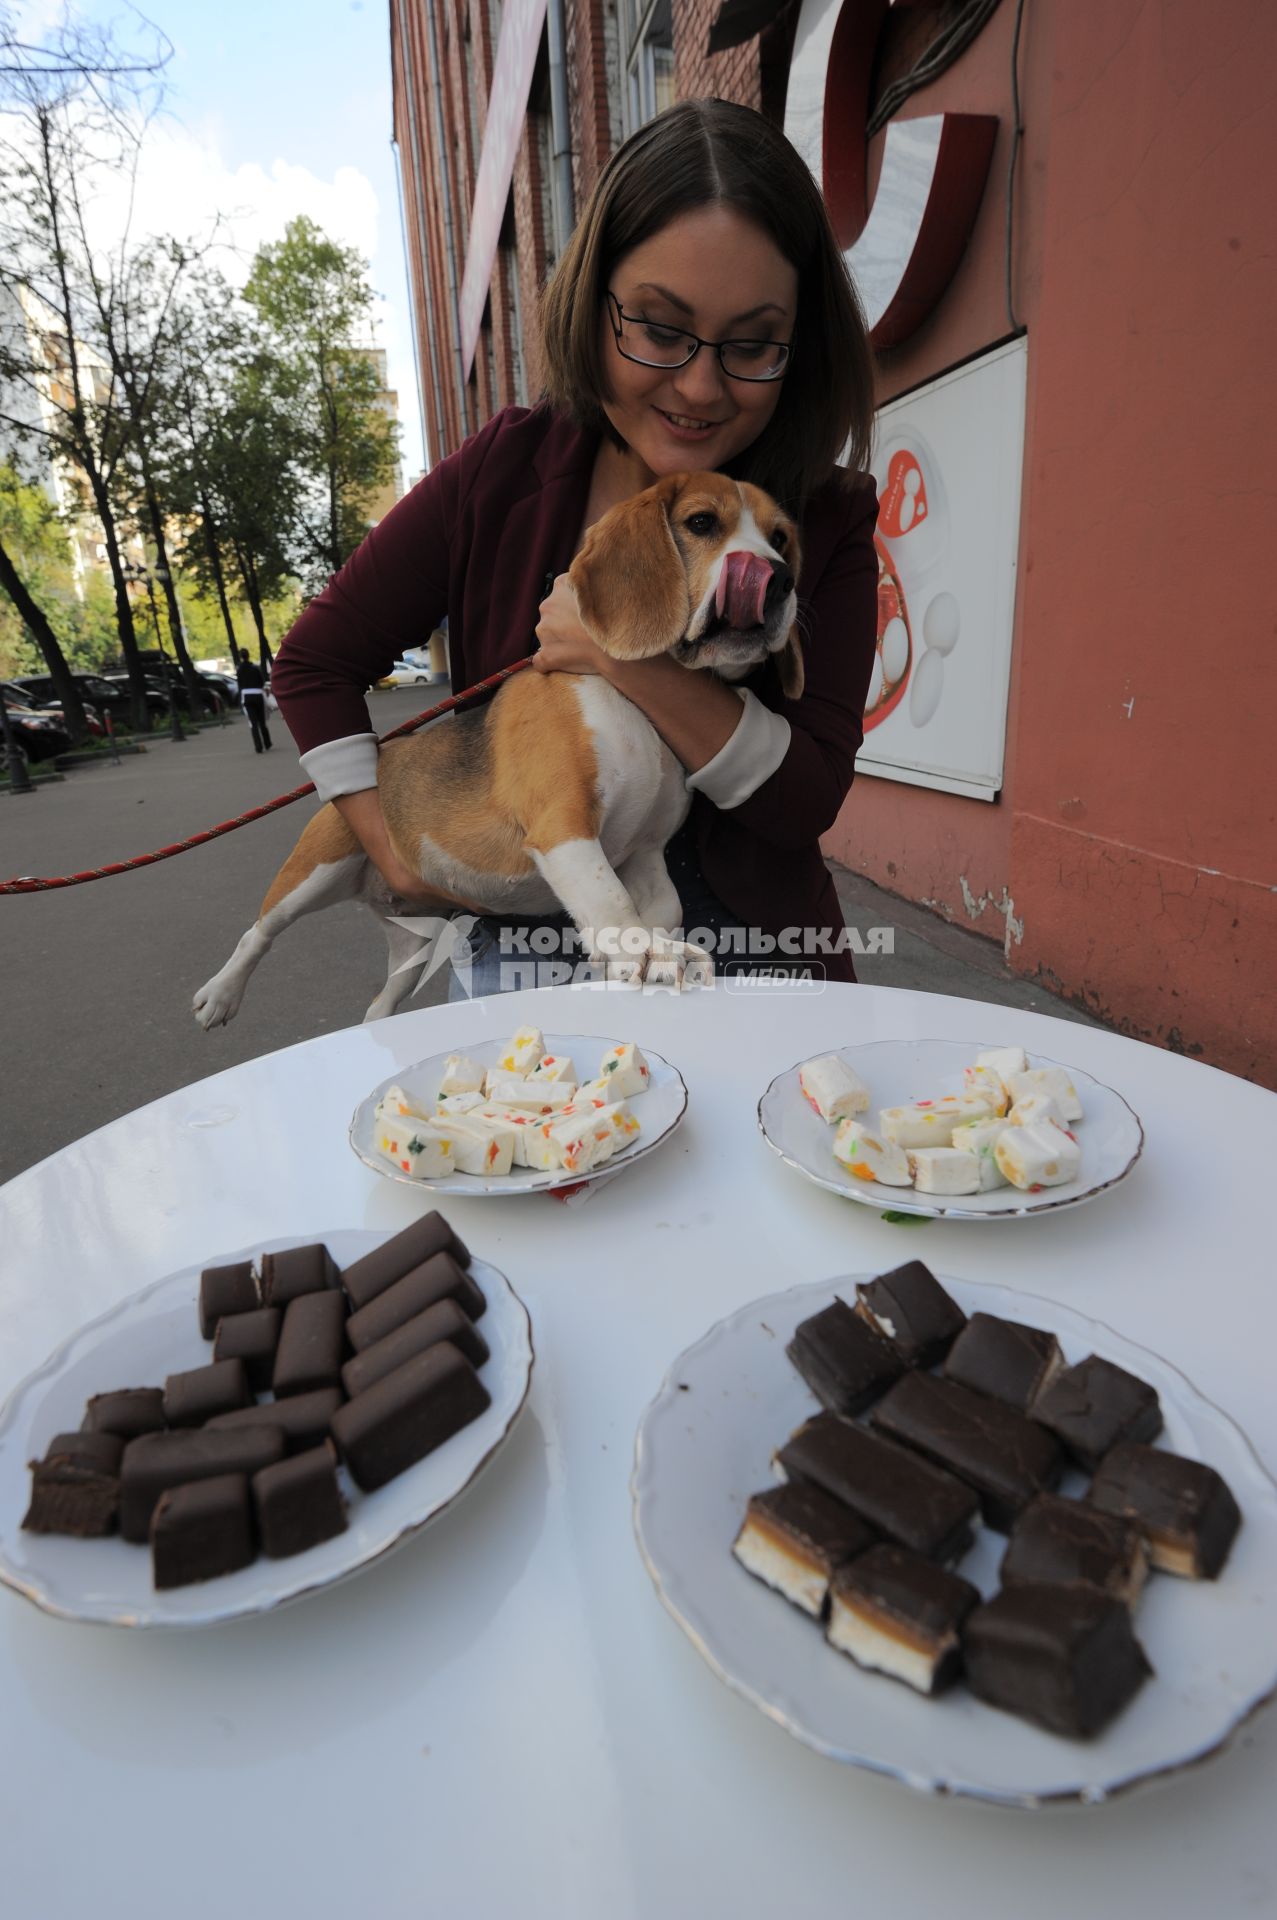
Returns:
<point x="742" y="589"/>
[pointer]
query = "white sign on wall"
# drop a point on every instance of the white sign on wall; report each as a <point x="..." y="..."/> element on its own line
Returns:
<point x="947" y="460"/>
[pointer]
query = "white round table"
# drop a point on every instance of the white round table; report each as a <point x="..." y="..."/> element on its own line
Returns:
<point x="501" y="1718"/>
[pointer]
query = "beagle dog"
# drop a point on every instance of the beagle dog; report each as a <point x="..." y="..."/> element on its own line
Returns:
<point x="558" y="793"/>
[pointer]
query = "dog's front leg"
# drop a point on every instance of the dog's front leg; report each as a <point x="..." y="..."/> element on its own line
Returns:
<point x="606" y="917"/>
<point x="672" y="963"/>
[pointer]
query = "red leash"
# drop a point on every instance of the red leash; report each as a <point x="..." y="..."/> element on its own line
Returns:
<point x="30" y="885"/>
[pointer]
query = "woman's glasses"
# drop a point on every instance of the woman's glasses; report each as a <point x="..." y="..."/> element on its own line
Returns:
<point x="650" y="344"/>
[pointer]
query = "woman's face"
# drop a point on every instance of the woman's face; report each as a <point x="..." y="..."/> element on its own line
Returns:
<point x="713" y="273"/>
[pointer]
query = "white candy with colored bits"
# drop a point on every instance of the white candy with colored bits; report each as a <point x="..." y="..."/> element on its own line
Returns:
<point x="544" y="1154"/>
<point x="461" y="1075"/>
<point x="988" y="1084"/>
<point x="414" y="1146"/>
<point x="1042" y="1156"/>
<point x="944" y="1170"/>
<point x="580" y="1143"/>
<point x="457" y="1103"/>
<point x="520" y="1124"/>
<point x="523" y="1052"/>
<point x="625" y="1071"/>
<point x="554" y="1066"/>
<point x="1035" y="1110"/>
<point x="481" y="1148"/>
<point x="540" y="1096"/>
<point x="832" y="1088"/>
<point x="866" y="1157"/>
<point x="930" y="1123"/>
<point x="978" y="1138"/>
<point x="1004" y="1061"/>
<point x="394" y="1102"/>
<point x="1052" y="1080"/>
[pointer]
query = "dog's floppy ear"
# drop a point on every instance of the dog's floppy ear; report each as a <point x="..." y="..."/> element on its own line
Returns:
<point x="630" y="582"/>
<point x="789" y="665"/>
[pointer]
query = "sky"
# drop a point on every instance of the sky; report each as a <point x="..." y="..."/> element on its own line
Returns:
<point x="275" y="108"/>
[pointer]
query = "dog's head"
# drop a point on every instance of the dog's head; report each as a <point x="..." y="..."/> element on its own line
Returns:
<point x="698" y="566"/>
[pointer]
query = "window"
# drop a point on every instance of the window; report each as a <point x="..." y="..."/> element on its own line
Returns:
<point x="647" y="41"/>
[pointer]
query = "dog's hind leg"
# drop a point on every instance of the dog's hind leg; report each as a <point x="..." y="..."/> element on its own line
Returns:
<point x="325" y="867"/>
<point x="404" y="946"/>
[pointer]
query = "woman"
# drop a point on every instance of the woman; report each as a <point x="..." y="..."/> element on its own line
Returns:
<point x="700" y="317"/>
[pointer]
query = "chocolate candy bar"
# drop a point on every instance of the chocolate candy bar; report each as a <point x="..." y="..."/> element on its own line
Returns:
<point x="444" y="1321"/>
<point x="913" y="1503"/>
<point x="439" y="1278"/>
<point x="193" y="1397"/>
<point x="201" y="1530"/>
<point x="408" y="1414"/>
<point x="909" y="1307"/>
<point x="252" y="1338"/>
<point x="297" y="1271"/>
<point x="1005" y="1359"/>
<point x="75" y="1489"/>
<point x="1057" y="1540"/>
<point x="368" y="1277"/>
<point x="793" y="1537"/>
<point x="1065" y="1657"/>
<point x="302" y="1418"/>
<point x="226" y="1290"/>
<point x="298" y="1502"/>
<point x="1184" y="1509"/>
<point x="899" y="1614"/>
<point x="1093" y="1405"/>
<point x="1006" y="1458"/>
<point x="129" y="1412"/>
<point x="312" y="1343"/>
<point x="156" y="1461"/>
<point x="844" y="1362"/>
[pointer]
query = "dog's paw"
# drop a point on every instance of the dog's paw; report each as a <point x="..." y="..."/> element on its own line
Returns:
<point x="676" y="965"/>
<point x="216" y="1003"/>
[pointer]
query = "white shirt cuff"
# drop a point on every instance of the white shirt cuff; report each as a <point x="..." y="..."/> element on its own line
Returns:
<point x="752" y="755"/>
<point x="343" y="766"/>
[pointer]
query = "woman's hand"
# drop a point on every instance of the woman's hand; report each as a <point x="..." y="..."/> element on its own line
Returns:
<point x="362" y="813"/>
<point x="565" y="645"/>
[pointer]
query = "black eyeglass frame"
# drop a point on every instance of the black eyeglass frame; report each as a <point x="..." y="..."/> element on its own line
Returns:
<point x="786" y="347"/>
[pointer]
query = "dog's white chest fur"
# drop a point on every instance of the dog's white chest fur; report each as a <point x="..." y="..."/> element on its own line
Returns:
<point x="640" y="783"/>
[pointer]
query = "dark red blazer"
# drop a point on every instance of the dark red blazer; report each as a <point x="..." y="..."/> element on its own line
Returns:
<point x="475" y="540"/>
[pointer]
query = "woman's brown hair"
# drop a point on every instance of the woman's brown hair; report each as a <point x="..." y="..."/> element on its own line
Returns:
<point x="715" y="153"/>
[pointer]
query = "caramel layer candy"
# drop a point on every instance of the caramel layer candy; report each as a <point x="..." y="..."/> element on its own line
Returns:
<point x="1003" y="1456"/>
<point x="1184" y="1509"/>
<point x="1005" y="1359"/>
<point x="913" y="1503"/>
<point x="202" y="1530"/>
<point x="1091" y="1406"/>
<point x="899" y="1614"/>
<point x="910" y="1308"/>
<point x="794" y="1538"/>
<point x="1065" y="1657"/>
<point x="1057" y="1541"/>
<point x="844" y="1362"/>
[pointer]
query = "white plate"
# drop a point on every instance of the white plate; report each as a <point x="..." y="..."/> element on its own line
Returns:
<point x="898" y="1072"/>
<point x="705" y="1444"/>
<point x="156" y="1332"/>
<point x="658" y="1110"/>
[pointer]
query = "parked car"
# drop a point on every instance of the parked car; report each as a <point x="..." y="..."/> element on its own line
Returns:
<point x="223" y="684"/>
<point x="95" y="690"/>
<point x="37" y="736"/>
<point x="156" y="699"/>
<point x="405" y="673"/>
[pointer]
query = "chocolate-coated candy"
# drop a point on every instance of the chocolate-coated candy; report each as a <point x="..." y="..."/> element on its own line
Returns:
<point x="1091" y="1406"/>
<point x="302" y="1418"/>
<point x="130" y="1411"/>
<point x="1065" y="1657"/>
<point x="913" y="1503"/>
<point x="1057" y="1540"/>
<point x="201" y="1530"/>
<point x="844" y="1362"/>
<point x="909" y="1307"/>
<point x="439" y="1278"/>
<point x="794" y="1536"/>
<point x="312" y="1343"/>
<point x="896" y="1613"/>
<point x="366" y="1278"/>
<point x="156" y="1461"/>
<point x="75" y="1489"/>
<point x="408" y="1414"/>
<point x="1184" y="1509"/>
<point x="89" y="1450"/>
<point x="252" y="1338"/>
<point x="1006" y="1458"/>
<point x="444" y="1321"/>
<point x="296" y="1271"/>
<point x="1004" y="1359"/>
<point x="298" y="1502"/>
<point x="193" y="1397"/>
<point x="226" y="1290"/>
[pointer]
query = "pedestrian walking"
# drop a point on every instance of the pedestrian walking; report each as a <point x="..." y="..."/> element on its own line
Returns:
<point x="252" y="697"/>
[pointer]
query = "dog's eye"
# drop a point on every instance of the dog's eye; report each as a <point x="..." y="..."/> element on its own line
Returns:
<point x="702" y="524"/>
<point x="780" y="539"/>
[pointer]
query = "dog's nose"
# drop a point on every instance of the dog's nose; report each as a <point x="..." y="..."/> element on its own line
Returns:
<point x="779" y="587"/>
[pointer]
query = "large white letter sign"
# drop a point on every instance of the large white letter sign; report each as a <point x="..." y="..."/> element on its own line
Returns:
<point x="904" y="250"/>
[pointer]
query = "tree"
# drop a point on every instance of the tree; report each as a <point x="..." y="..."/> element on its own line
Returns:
<point x="33" y="551"/>
<point x="314" y="297"/>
